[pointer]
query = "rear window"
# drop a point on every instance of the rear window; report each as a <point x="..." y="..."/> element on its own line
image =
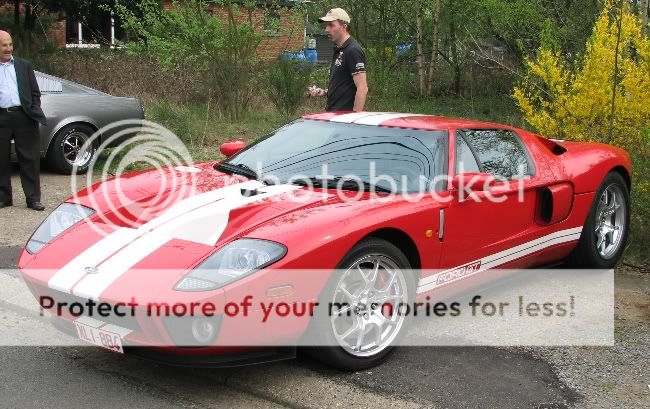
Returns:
<point x="48" y="85"/>
<point x="497" y="151"/>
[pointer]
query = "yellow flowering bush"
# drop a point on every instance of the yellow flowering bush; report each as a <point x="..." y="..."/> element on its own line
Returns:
<point x="575" y="102"/>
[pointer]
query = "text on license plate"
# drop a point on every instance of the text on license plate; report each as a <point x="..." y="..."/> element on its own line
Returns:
<point x="100" y="338"/>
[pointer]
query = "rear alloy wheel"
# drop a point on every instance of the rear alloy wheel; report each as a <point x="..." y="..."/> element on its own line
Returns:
<point x="66" y="151"/>
<point x="364" y="298"/>
<point x="610" y="222"/>
<point x="604" y="235"/>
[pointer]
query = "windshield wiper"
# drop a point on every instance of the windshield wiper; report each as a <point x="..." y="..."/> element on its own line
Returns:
<point x="241" y="170"/>
<point x="348" y="184"/>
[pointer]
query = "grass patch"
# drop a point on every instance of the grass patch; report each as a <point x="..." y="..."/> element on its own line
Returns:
<point x="203" y="130"/>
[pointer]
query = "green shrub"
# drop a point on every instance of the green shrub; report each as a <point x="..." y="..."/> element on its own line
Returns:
<point x="220" y="49"/>
<point x="288" y="81"/>
<point x="320" y="76"/>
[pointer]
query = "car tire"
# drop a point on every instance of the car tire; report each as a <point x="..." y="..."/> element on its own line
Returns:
<point x="323" y="328"/>
<point x="605" y="233"/>
<point x="62" y="156"/>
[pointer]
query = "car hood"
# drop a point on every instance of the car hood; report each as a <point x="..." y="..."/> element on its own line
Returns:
<point x="203" y="205"/>
<point x="209" y="209"/>
<point x="191" y="203"/>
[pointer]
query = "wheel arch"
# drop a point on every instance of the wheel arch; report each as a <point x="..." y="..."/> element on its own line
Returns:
<point x="402" y="241"/>
<point x="621" y="170"/>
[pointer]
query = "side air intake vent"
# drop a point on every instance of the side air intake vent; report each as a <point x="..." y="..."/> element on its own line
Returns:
<point x="553" y="146"/>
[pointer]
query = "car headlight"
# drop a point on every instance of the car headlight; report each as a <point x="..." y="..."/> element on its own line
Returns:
<point x="61" y="219"/>
<point x="232" y="262"/>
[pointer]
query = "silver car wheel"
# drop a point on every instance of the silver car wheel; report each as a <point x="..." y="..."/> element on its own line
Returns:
<point x="73" y="143"/>
<point x="610" y="222"/>
<point x="366" y="307"/>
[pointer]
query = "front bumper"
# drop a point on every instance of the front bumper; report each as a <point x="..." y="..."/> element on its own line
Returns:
<point x="203" y="357"/>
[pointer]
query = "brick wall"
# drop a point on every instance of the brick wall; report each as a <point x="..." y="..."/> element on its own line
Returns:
<point x="290" y="36"/>
<point x="8" y="7"/>
<point x="57" y="33"/>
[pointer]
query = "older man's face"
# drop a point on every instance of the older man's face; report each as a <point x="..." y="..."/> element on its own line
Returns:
<point x="6" y="47"/>
<point x="335" y="30"/>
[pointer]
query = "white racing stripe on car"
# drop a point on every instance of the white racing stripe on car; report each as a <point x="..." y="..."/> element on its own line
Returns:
<point x="185" y="206"/>
<point x="351" y="118"/>
<point x="530" y="247"/>
<point x="199" y="219"/>
<point x="381" y="118"/>
<point x="504" y="257"/>
<point x="92" y="285"/>
<point x="203" y="218"/>
<point x="71" y="273"/>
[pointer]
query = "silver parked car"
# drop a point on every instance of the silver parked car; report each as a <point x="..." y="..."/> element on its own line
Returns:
<point x="74" y="113"/>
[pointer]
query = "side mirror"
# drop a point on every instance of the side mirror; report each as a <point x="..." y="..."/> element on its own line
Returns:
<point x="476" y="182"/>
<point x="230" y="149"/>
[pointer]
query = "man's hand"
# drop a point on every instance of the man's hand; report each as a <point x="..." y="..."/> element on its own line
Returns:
<point x="315" y="91"/>
<point x="361" y="81"/>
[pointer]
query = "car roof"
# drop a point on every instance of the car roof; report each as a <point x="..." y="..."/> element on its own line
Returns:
<point x="403" y="120"/>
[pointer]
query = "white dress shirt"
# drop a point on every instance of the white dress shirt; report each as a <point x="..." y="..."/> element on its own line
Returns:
<point x="9" y="96"/>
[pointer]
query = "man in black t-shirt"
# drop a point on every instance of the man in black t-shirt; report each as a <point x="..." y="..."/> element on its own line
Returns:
<point x="348" y="84"/>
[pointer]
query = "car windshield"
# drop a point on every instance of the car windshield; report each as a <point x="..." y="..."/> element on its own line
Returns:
<point x="405" y="159"/>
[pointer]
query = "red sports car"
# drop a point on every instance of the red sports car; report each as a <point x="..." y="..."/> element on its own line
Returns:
<point x="323" y="209"/>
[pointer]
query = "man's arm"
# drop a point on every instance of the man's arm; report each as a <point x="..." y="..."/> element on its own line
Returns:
<point x="361" y="81"/>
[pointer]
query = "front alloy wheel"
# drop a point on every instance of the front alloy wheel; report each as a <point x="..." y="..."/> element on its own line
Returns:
<point x="369" y="295"/>
<point x="365" y="307"/>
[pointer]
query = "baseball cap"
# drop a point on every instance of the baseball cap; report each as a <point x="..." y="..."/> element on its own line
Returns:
<point x="336" y="14"/>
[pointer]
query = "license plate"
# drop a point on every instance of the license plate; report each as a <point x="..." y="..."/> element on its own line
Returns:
<point x="103" y="339"/>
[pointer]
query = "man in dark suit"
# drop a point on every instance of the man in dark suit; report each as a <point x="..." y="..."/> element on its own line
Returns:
<point x="20" y="115"/>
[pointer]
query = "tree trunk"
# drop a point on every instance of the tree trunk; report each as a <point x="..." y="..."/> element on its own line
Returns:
<point x="433" y="64"/>
<point x="28" y="22"/>
<point x="612" y="117"/>
<point x="643" y="13"/>
<point x="420" y="46"/>
<point x="16" y="13"/>
<point x="455" y="57"/>
<point x="28" y="15"/>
